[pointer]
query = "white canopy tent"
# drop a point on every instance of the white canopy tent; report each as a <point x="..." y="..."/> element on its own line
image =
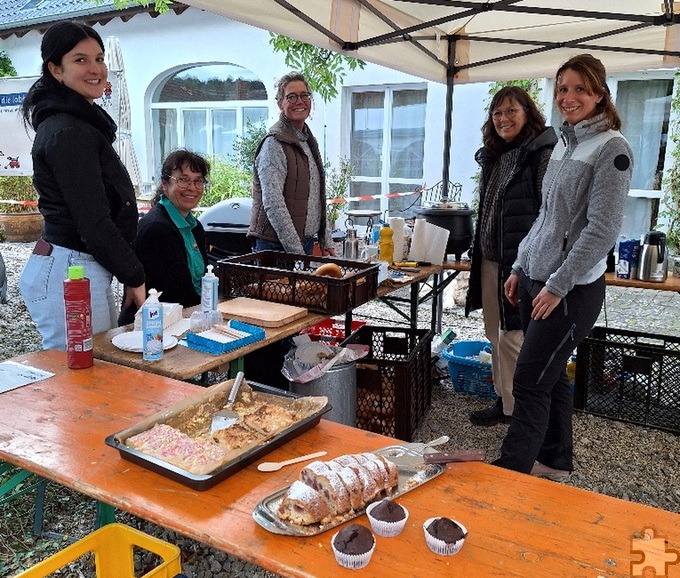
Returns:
<point x="462" y="41"/>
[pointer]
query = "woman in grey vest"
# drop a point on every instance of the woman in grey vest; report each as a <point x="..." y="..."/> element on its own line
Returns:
<point x="289" y="189"/>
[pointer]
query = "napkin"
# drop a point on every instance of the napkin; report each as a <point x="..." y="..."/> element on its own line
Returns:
<point x="172" y="313"/>
<point x="428" y="242"/>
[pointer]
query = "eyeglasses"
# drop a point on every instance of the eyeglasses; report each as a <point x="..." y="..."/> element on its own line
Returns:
<point x="184" y="183"/>
<point x="303" y="96"/>
<point x="510" y="113"/>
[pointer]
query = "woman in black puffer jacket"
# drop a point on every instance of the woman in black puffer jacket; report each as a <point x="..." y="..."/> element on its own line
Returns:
<point x="517" y="146"/>
<point x="85" y="193"/>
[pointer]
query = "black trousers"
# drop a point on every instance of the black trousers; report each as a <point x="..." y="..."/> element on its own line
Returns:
<point x="541" y="427"/>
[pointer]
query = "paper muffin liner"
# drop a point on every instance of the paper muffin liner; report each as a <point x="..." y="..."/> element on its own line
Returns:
<point x="439" y="546"/>
<point x="351" y="561"/>
<point x="386" y="529"/>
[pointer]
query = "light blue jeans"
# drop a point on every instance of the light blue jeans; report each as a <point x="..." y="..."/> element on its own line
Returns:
<point x="42" y="287"/>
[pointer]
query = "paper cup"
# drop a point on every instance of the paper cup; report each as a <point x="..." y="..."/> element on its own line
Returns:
<point x="441" y="547"/>
<point x="386" y="529"/>
<point x="351" y="561"/>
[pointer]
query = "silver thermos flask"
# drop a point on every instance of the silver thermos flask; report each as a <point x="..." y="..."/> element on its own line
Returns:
<point x="350" y="249"/>
<point x="653" y="265"/>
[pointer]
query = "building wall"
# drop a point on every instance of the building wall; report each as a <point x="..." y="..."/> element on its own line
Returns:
<point x="155" y="47"/>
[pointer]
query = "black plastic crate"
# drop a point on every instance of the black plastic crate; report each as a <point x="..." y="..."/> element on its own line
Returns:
<point x="289" y="278"/>
<point x="394" y="381"/>
<point x="630" y="376"/>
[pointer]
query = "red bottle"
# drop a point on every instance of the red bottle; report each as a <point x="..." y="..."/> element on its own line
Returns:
<point x="78" y="318"/>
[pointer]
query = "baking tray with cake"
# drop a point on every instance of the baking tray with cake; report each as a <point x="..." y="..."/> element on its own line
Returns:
<point x="267" y="515"/>
<point x="177" y="442"/>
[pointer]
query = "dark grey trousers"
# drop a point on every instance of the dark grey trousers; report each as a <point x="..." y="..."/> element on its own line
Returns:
<point x="541" y="427"/>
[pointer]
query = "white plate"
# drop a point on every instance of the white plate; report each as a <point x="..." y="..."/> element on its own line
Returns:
<point x="132" y="341"/>
<point x="312" y="352"/>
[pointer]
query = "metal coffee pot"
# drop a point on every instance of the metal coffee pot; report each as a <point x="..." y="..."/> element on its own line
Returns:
<point x="653" y="265"/>
<point x="350" y="248"/>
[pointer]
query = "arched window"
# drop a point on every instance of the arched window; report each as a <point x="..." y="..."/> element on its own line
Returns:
<point x="204" y="108"/>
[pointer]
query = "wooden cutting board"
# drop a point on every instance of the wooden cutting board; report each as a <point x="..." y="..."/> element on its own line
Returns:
<point x="260" y="313"/>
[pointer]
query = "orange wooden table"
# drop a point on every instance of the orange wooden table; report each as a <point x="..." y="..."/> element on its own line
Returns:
<point x="518" y="525"/>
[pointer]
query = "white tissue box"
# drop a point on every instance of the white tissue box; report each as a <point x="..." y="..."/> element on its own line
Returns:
<point x="172" y="313"/>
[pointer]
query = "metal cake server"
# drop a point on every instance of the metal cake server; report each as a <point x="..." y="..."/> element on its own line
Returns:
<point x="227" y="417"/>
<point x="420" y="446"/>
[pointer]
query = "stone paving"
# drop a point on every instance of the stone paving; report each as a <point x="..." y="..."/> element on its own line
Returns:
<point x="642" y="310"/>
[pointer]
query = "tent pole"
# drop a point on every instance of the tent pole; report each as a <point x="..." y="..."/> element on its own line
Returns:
<point x="450" y="71"/>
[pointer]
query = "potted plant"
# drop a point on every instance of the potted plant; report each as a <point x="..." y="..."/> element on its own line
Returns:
<point x="671" y="202"/>
<point x="337" y="187"/>
<point x="20" y="220"/>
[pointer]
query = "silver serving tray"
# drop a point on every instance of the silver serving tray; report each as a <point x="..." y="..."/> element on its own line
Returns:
<point x="410" y="477"/>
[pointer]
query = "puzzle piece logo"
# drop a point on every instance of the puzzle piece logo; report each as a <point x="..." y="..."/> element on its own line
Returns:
<point x="655" y="556"/>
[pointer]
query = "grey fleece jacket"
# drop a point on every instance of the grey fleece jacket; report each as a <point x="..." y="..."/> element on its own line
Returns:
<point x="584" y="193"/>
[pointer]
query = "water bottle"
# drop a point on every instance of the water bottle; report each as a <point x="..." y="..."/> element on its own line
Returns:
<point x="152" y="328"/>
<point x="78" y="318"/>
<point x="351" y="246"/>
<point x="386" y="244"/>
<point x="209" y="286"/>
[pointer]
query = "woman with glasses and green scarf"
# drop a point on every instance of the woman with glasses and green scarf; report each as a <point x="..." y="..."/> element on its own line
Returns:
<point x="170" y="240"/>
<point x="289" y="189"/>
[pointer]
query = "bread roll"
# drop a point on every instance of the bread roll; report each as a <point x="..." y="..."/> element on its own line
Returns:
<point x="329" y="270"/>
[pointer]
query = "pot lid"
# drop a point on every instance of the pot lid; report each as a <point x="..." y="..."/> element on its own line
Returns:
<point x="446" y="204"/>
<point x="363" y="212"/>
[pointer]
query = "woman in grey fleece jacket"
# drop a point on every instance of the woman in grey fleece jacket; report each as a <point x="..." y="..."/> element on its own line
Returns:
<point x="558" y="277"/>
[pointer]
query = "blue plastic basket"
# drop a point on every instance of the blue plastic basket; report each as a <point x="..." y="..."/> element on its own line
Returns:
<point x="468" y="374"/>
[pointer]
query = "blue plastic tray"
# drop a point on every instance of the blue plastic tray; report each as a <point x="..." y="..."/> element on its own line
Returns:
<point x="200" y="343"/>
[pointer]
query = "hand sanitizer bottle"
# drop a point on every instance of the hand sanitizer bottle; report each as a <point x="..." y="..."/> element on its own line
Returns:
<point x="152" y="327"/>
<point x="209" y="286"/>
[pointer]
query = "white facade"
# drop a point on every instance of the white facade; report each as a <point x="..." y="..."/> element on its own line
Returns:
<point x="155" y="48"/>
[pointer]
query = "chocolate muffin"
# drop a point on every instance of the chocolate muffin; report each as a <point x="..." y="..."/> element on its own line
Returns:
<point x="353" y="546"/>
<point x="387" y="518"/>
<point x="444" y="536"/>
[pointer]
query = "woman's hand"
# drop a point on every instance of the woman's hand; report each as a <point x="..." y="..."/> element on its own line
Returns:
<point x="543" y="304"/>
<point x="136" y="295"/>
<point x="510" y="288"/>
<point x="328" y="252"/>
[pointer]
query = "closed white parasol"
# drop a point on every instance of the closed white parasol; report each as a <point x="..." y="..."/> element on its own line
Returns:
<point x="117" y="101"/>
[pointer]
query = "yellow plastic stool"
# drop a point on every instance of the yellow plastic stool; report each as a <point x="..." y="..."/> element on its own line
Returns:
<point x="112" y="546"/>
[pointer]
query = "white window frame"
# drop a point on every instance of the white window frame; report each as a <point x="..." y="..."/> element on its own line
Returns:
<point x="385" y="180"/>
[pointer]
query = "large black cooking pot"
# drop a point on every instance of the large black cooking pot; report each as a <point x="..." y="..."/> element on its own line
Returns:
<point x="457" y="218"/>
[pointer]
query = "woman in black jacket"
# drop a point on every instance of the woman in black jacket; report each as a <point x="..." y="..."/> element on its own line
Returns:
<point x="85" y="193"/>
<point x="170" y="240"/>
<point x="517" y="146"/>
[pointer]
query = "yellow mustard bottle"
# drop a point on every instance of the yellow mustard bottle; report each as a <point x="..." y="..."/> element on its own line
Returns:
<point x="386" y="244"/>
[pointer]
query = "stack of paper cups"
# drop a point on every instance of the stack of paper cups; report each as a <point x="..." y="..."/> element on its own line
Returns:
<point x="397" y="225"/>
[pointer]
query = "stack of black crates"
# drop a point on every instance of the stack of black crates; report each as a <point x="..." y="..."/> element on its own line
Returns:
<point x="394" y="381"/>
<point x="630" y="376"/>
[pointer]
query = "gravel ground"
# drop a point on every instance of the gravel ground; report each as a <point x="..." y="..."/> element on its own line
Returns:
<point x="631" y="462"/>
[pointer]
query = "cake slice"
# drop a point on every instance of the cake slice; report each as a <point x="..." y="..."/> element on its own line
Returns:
<point x="303" y="505"/>
<point x="326" y="481"/>
<point x="177" y="448"/>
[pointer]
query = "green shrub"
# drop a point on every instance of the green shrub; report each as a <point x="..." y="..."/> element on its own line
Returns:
<point x="227" y="181"/>
<point x="17" y="188"/>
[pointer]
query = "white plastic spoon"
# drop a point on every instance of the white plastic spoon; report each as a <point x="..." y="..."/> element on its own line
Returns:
<point x="275" y="466"/>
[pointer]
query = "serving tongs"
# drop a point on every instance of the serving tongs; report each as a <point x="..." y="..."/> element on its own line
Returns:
<point x="227" y="417"/>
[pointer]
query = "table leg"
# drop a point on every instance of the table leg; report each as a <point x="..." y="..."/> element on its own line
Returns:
<point x="436" y="322"/>
<point x="236" y="366"/>
<point x="106" y="514"/>
<point x="415" y="293"/>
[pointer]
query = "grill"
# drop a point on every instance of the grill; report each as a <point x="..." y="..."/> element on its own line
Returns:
<point x="226" y="225"/>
